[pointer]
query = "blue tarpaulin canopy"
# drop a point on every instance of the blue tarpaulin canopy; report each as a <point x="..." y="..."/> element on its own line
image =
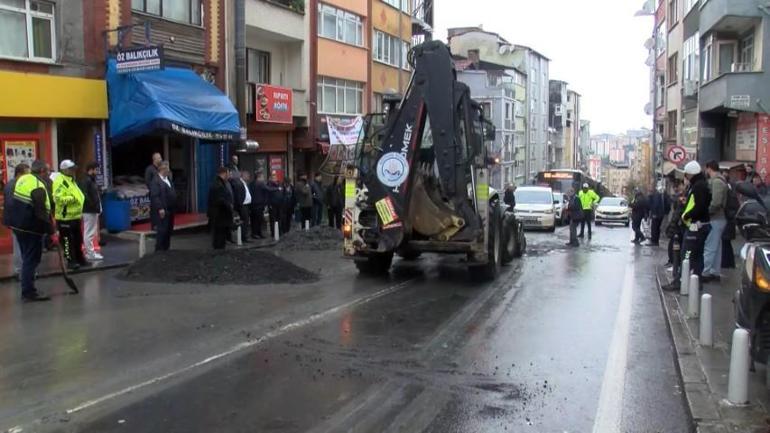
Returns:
<point x="173" y="99"/>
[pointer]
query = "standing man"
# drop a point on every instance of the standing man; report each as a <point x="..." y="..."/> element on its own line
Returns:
<point x="660" y="206"/>
<point x="152" y="170"/>
<point x="68" y="210"/>
<point x="220" y="204"/>
<point x="639" y="212"/>
<point x="92" y="208"/>
<point x="303" y="193"/>
<point x="695" y="219"/>
<point x="275" y="199"/>
<point x="316" y="187"/>
<point x="245" y="210"/>
<point x="162" y="206"/>
<point x="588" y="199"/>
<point x="30" y="220"/>
<point x="335" y="200"/>
<point x="18" y="171"/>
<point x="576" y="216"/>
<point x="509" y="197"/>
<point x="239" y="191"/>
<point x="289" y="206"/>
<point x="756" y="179"/>
<point x="713" y="248"/>
<point x="259" y="201"/>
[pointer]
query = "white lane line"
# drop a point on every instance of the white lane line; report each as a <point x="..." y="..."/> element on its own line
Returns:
<point x="242" y="346"/>
<point x="609" y="414"/>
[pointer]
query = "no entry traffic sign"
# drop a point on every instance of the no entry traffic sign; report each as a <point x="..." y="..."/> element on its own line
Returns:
<point x="676" y="154"/>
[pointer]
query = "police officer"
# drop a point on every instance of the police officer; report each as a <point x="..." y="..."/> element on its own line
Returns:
<point x="588" y="199"/>
<point x="30" y="220"/>
<point x="695" y="221"/>
<point x="68" y="211"/>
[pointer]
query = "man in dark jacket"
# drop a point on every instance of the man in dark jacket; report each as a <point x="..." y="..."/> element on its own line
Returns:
<point x="241" y="195"/>
<point x="275" y="200"/>
<point x="660" y="206"/>
<point x="317" y="189"/>
<point x="509" y="197"/>
<point x="162" y="207"/>
<point x="695" y="219"/>
<point x="304" y="195"/>
<point x="289" y="205"/>
<point x="29" y="216"/>
<point x="152" y="170"/>
<point x="18" y="171"/>
<point x="639" y="211"/>
<point x="576" y="216"/>
<point x="220" y="204"/>
<point x="259" y="201"/>
<point x="335" y="200"/>
<point x="92" y="208"/>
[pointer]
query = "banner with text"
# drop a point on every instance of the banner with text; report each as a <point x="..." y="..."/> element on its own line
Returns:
<point x="343" y="138"/>
<point x="746" y="138"/>
<point x="763" y="145"/>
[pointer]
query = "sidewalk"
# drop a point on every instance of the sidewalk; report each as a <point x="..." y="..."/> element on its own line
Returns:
<point x="704" y="370"/>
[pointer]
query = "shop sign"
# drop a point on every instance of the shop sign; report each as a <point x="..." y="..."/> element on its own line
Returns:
<point x="18" y="152"/>
<point x="763" y="145"/>
<point x="140" y="207"/>
<point x="274" y="104"/>
<point x="142" y="59"/>
<point x="746" y="138"/>
<point x="739" y="102"/>
<point x="276" y="166"/>
<point x="99" y="157"/>
<point x="203" y="135"/>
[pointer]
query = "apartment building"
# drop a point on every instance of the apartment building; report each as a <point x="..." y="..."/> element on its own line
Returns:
<point x="391" y="42"/>
<point x="618" y="176"/>
<point x="557" y="124"/>
<point x="572" y="140"/>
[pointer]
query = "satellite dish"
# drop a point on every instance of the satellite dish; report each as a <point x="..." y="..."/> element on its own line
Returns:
<point x="503" y="49"/>
<point x="649" y="43"/>
<point x="650" y="60"/>
<point x="648" y="109"/>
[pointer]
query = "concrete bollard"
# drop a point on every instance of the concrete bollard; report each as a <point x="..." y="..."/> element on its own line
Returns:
<point x="142" y="245"/>
<point x="693" y="296"/>
<point x="307" y="225"/>
<point x="738" y="381"/>
<point x="706" y="322"/>
<point x="277" y="230"/>
<point x="238" y="232"/>
<point x="684" y="278"/>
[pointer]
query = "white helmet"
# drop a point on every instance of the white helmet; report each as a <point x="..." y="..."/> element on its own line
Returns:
<point x="585" y="185"/>
<point x="692" y="168"/>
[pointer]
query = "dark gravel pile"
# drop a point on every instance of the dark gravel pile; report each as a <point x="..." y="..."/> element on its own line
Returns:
<point x="245" y="266"/>
<point x="318" y="238"/>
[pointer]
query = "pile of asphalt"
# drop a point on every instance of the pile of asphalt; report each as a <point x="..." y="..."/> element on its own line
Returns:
<point x="240" y="267"/>
<point x="319" y="238"/>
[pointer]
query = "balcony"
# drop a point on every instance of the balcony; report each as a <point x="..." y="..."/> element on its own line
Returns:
<point x="728" y="15"/>
<point x="735" y="91"/>
<point x="276" y="20"/>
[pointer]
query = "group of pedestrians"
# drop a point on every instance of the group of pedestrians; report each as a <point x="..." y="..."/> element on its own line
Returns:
<point x="41" y="206"/>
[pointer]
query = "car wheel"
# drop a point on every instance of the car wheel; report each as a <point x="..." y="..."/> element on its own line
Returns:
<point x="628" y="223"/>
<point x="598" y="223"/>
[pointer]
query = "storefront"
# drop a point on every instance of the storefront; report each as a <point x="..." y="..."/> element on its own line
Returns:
<point x="271" y="129"/>
<point x="47" y="117"/>
<point x="175" y="112"/>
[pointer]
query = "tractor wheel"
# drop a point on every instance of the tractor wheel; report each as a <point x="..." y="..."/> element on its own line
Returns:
<point x="375" y="264"/>
<point x="490" y="270"/>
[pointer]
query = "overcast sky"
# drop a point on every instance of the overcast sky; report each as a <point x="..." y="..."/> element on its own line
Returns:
<point x="597" y="46"/>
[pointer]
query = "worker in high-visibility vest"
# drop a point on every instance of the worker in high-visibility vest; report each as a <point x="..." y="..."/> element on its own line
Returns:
<point x="29" y="216"/>
<point x="588" y="199"/>
<point x="695" y="221"/>
<point x="68" y="211"/>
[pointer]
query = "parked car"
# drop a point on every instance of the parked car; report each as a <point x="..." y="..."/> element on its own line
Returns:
<point x="613" y="210"/>
<point x="560" y="203"/>
<point x="535" y="207"/>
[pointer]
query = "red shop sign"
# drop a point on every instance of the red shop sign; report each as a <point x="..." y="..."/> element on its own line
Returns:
<point x="763" y="145"/>
<point x="276" y="166"/>
<point x="273" y="104"/>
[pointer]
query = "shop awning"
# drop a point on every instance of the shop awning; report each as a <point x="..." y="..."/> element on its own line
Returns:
<point x="173" y="99"/>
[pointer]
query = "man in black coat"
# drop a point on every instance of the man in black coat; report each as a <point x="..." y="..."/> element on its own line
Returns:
<point x="92" y="208"/>
<point x="162" y="207"/>
<point x="259" y="201"/>
<point x="317" y="189"/>
<point x="220" y="204"/>
<point x="275" y="200"/>
<point x="639" y="211"/>
<point x="151" y="172"/>
<point x="660" y="206"/>
<point x="576" y="216"/>
<point x="241" y="202"/>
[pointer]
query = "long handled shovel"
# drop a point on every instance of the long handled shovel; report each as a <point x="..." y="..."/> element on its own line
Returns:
<point x="65" y="274"/>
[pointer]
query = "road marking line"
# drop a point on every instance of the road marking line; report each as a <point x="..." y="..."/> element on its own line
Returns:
<point x="609" y="413"/>
<point x="242" y="346"/>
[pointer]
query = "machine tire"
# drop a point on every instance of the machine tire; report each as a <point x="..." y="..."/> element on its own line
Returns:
<point x="628" y="224"/>
<point x="552" y="228"/>
<point x="598" y="223"/>
<point x="409" y="255"/>
<point x="375" y="264"/>
<point x="490" y="270"/>
<point x="510" y="242"/>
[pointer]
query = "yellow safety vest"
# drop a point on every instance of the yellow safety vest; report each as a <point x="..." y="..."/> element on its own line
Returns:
<point x="588" y="198"/>
<point x="25" y="186"/>
<point x="68" y="198"/>
<point x="687" y="209"/>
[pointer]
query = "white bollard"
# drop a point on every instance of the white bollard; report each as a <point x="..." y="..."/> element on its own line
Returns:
<point x="706" y="324"/>
<point x="738" y="382"/>
<point x="684" y="287"/>
<point x="238" y="232"/>
<point x="307" y="225"/>
<point x="142" y="245"/>
<point x="694" y="297"/>
<point x="277" y="231"/>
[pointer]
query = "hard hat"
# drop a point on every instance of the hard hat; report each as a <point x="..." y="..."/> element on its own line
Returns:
<point x="67" y="163"/>
<point x="585" y="185"/>
<point x="692" y="168"/>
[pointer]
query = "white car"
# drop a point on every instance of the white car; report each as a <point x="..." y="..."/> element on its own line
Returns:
<point x="535" y="207"/>
<point x="613" y="210"/>
<point x="560" y="203"/>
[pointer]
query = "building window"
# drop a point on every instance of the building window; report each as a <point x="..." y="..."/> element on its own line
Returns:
<point x="405" y="47"/>
<point x="27" y="30"/>
<point x="257" y="66"/>
<point x="691" y="58"/>
<point x="339" y="25"/>
<point x="708" y="58"/>
<point x="486" y="109"/>
<point x="673" y="69"/>
<point x="378" y="103"/>
<point x="389" y="49"/>
<point x="673" y="12"/>
<point x="660" y="47"/>
<point x="399" y="4"/>
<point x="185" y="11"/>
<point x="672" y="125"/>
<point x="508" y="115"/>
<point x="746" y="48"/>
<point x="340" y="96"/>
<point x="660" y="93"/>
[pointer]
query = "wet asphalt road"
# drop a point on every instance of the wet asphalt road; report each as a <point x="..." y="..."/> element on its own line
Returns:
<point x="564" y="341"/>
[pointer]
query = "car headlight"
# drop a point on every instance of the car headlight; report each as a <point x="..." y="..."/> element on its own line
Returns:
<point x="548" y="211"/>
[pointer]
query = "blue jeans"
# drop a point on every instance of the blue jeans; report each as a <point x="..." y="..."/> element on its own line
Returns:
<point x="31" y="254"/>
<point x="712" y="254"/>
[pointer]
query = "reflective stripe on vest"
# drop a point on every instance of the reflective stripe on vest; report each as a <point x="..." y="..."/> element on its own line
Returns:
<point x="690" y="206"/>
<point x="25" y="186"/>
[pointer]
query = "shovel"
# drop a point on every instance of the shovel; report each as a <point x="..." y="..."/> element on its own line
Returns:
<point x="70" y="282"/>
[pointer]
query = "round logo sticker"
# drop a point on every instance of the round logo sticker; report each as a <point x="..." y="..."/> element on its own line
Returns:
<point x="392" y="169"/>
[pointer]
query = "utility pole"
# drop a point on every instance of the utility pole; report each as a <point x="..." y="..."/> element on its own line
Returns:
<point x="240" y="60"/>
